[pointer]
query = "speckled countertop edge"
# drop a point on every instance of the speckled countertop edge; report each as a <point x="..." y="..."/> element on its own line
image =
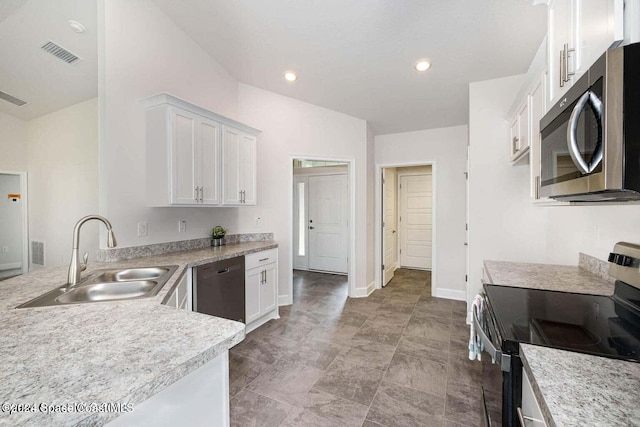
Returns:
<point x="576" y="389"/>
<point x="201" y="337"/>
<point x="565" y="278"/>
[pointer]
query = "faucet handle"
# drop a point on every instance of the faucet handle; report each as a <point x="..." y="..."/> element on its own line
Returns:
<point x="85" y="259"/>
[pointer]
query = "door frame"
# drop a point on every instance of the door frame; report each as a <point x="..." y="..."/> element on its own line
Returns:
<point x="351" y="249"/>
<point x="378" y="219"/>
<point x="24" y="215"/>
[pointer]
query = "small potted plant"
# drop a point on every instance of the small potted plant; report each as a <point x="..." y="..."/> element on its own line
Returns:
<point x="217" y="235"/>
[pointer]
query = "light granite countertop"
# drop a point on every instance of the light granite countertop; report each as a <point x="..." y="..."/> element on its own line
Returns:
<point x="575" y="389"/>
<point x="552" y="277"/>
<point x="117" y="351"/>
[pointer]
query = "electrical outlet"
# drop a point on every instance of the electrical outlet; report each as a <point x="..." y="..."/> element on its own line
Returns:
<point x="182" y="225"/>
<point x="142" y="229"/>
<point x="258" y="221"/>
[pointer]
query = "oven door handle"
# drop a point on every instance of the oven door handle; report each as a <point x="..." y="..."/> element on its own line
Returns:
<point x="503" y="359"/>
<point x="572" y="133"/>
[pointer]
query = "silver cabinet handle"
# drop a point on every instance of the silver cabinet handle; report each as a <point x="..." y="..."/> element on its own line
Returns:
<point x="561" y="75"/>
<point x="263" y="259"/>
<point x="572" y="133"/>
<point x="566" y="62"/>
<point x="201" y="194"/>
<point x="240" y="196"/>
<point x="243" y="196"/>
<point x="196" y="190"/>
<point x="515" y="144"/>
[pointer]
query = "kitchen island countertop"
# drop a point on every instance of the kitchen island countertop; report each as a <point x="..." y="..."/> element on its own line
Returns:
<point x="108" y="352"/>
<point x="576" y="389"/>
<point x="565" y="278"/>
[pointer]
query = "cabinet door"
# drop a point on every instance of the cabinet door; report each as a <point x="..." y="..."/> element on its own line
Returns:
<point x="537" y="111"/>
<point x="248" y="168"/>
<point x="269" y="289"/>
<point x="561" y="31"/>
<point x="253" y="291"/>
<point x="231" y="166"/>
<point x="599" y="26"/>
<point x="209" y="159"/>
<point x="183" y="157"/>
<point x="523" y="123"/>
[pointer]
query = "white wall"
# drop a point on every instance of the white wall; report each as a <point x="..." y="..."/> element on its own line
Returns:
<point x="371" y="189"/>
<point x="295" y="129"/>
<point x="10" y="223"/>
<point x="446" y="148"/>
<point x="504" y="223"/>
<point x="13" y="144"/>
<point x="63" y="179"/>
<point x="143" y="54"/>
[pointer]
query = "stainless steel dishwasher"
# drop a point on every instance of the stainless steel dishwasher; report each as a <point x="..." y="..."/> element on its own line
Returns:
<point x="219" y="289"/>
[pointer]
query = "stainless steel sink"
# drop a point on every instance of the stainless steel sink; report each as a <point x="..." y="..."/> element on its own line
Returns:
<point x="108" y="285"/>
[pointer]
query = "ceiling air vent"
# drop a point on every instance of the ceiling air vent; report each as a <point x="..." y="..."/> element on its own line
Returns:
<point x="11" y="99"/>
<point x="60" y="52"/>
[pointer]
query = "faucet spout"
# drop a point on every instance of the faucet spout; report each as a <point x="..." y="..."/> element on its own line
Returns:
<point x="76" y="267"/>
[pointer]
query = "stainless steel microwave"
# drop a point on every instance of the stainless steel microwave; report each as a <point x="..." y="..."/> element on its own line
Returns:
<point x="590" y="139"/>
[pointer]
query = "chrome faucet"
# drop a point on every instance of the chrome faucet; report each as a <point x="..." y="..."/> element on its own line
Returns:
<point x="76" y="267"/>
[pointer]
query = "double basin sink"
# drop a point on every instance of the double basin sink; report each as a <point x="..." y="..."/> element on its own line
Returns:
<point x="108" y="285"/>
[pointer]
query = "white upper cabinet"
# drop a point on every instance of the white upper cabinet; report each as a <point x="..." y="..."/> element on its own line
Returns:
<point x="239" y="168"/>
<point x="579" y="31"/>
<point x="194" y="156"/>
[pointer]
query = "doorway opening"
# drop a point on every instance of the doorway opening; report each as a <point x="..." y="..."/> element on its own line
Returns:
<point x="321" y="234"/>
<point x="404" y="226"/>
<point x="14" y="253"/>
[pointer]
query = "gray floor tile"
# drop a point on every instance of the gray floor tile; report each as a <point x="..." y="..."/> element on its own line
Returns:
<point x="286" y="382"/>
<point x="242" y="370"/>
<point x="463" y="404"/>
<point x="419" y="374"/>
<point x="324" y="409"/>
<point x="395" y="405"/>
<point x="437" y="328"/>
<point x="251" y="409"/>
<point x="399" y="356"/>
<point x="349" y="381"/>
<point x="367" y="353"/>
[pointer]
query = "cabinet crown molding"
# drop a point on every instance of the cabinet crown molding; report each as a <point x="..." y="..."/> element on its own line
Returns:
<point x="166" y="98"/>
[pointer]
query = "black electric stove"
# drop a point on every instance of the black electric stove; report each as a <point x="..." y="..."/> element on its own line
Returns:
<point x="595" y="324"/>
<point x="607" y="326"/>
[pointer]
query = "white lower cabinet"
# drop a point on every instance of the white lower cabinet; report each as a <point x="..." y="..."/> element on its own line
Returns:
<point x="261" y="288"/>
<point x="529" y="413"/>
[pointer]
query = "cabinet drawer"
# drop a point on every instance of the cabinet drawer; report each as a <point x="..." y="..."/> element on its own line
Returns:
<point x="260" y="258"/>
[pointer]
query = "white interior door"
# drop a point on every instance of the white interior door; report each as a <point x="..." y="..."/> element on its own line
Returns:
<point x="389" y="225"/>
<point x="415" y="221"/>
<point x="328" y="223"/>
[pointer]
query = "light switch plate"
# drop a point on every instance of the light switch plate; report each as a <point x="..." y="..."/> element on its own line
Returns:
<point x="182" y="226"/>
<point x="142" y="229"/>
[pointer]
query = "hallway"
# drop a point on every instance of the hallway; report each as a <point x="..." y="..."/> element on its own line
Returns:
<point x="396" y="358"/>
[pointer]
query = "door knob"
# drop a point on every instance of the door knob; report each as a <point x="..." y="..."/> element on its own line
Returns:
<point x="393" y="231"/>
<point x="311" y="228"/>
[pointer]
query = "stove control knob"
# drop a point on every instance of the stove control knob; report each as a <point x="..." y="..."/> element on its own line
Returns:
<point x="619" y="259"/>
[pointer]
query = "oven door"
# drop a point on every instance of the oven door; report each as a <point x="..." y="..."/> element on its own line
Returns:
<point x="572" y="144"/>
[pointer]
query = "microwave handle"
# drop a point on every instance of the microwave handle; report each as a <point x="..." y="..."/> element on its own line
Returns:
<point x="497" y="355"/>
<point x="572" y="133"/>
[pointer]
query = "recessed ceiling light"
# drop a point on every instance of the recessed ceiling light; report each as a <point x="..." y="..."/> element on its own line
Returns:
<point x="77" y="27"/>
<point x="290" y="76"/>
<point x="422" y="65"/>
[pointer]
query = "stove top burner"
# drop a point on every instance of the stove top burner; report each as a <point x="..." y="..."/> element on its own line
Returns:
<point x="596" y="324"/>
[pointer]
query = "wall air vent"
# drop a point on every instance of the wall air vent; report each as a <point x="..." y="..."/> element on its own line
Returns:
<point x="37" y="253"/>
<point x="60" y="52"/>
<point x="11" y="99"/>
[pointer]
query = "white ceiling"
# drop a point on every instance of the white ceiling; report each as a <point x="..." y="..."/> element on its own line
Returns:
<point x="45" y="82"/>
<point x="356" y="56"/>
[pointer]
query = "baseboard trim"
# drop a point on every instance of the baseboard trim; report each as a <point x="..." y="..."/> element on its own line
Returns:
<point x="284" y="300"/>
<point x="450" y="294"/>
<point x="10" y="266"/>
<point x="364" y="292"/>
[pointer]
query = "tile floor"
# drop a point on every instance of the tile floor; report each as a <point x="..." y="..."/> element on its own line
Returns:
<point x="396" y="358"/>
